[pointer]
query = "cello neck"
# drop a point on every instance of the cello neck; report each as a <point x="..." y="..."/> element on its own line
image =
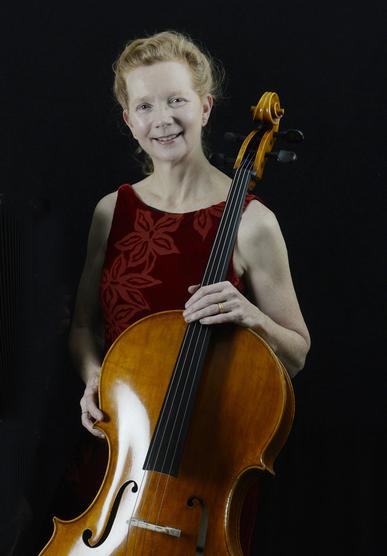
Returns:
<point x="222" y="249"/>
<point x="165" y="449"/>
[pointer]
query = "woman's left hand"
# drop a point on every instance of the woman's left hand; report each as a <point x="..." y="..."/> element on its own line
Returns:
<point x="221" y="303"/>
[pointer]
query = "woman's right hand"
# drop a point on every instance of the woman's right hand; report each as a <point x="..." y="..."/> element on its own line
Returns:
<point x="90" y="410"/>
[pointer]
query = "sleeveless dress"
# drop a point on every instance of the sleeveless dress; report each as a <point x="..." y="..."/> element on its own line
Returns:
<point x="152" y="257"/>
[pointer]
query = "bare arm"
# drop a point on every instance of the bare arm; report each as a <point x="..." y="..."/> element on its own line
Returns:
<point x="86" y="333"/>
<point x="274" y="313"/>
<point x="279" y="320"/>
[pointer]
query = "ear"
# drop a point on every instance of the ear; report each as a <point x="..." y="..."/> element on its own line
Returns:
<point x="125" y="115"/>
<point x="208" y="103"/>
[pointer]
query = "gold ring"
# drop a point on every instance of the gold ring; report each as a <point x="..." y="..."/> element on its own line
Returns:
<point x="221" y="307"/>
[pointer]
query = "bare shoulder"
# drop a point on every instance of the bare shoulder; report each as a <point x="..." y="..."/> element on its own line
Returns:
<point x="260" y="243"/>
<point x="104" y="210"/>
<point x="101" y="223"/>
<point x="259" y="223"/>
<point x="105" y="206"/>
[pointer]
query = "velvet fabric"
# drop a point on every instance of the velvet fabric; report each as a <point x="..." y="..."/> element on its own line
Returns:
<point x="152" y="257"/>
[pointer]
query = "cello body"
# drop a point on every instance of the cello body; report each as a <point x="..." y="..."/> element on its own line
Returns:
<point x="186" y="442"/>
<point x="242" y="416"/>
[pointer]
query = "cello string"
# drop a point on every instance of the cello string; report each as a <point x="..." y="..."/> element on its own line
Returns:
<point x="220" y="244"/>
<point x="205" y="329"/>
<point x="140" y="534"/>
<point x="190" y="341"/>
<point x="238" y="208"/>
<point x="214" y="274"/>
<point x="189" y="345"/>
<point x="228" y="229"/>
<point x="186" y="351"/>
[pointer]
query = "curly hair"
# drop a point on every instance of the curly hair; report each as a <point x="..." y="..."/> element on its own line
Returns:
<point x="207" y="75"/>
<point x="167" y="46"/>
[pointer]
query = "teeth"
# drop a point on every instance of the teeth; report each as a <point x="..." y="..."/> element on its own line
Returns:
<point x="167" y="138"/>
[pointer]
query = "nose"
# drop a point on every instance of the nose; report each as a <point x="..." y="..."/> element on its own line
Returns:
<point x="163" y="117"/>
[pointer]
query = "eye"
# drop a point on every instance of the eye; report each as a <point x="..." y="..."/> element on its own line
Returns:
<point x="143" y="107"/>
<point x="176" y="100"/>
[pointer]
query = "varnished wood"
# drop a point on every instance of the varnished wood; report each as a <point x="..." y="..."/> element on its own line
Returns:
<point x="242" y="416"/>
<point x="268" y="113"/>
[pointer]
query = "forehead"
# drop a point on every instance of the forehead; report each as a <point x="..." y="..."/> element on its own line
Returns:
<point x="158" y="78"/>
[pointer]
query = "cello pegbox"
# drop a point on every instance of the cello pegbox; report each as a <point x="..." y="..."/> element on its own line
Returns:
<point x="267" y="113"/>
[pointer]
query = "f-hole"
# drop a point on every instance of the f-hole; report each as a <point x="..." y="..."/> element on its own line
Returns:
<point x="203" y="524"/>
<point x="88" y="533"/>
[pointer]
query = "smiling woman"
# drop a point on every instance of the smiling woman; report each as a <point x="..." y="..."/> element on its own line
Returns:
<point x="206" y="75"/>
<point x="164" y="110"/>
<point x="149" y="242"/>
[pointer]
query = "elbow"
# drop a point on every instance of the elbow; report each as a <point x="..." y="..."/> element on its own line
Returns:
<point x="298" y="362"/>
<point x="76" y="340"/>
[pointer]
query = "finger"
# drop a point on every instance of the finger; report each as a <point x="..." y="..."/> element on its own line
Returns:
<point x="219" y="318"/>
<point x="89" y="425"/>
<point x="230" y="313"/>
<point x="212" y="310"/>
<point x="207" y="301"/>
<point x="205" y="290"/>
<point x="93" y="408"/>
<point x="193" y="289"/>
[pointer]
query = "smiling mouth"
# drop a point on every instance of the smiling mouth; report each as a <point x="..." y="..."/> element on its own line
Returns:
<point x="167" y="138"/>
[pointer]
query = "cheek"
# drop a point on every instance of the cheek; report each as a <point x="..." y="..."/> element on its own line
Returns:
<point x="138" y="127"/>
<point x="193" y="119"/>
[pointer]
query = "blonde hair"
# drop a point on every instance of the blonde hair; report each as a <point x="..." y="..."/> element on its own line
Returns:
<point x="168" y="46"/>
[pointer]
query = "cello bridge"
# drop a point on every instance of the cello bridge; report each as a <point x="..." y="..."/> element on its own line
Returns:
<point x="156" y="528"/>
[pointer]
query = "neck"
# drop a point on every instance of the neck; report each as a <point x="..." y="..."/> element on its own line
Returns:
<point x="180" y="184"/>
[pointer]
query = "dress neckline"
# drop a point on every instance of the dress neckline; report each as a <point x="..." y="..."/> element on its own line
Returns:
<point x="221" y="203"/>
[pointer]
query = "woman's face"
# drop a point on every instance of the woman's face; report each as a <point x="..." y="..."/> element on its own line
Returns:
<point x="165" y="114"/>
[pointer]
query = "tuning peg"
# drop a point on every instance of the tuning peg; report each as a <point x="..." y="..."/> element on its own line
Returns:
<point x="282" y="156"/>
<point x="291" y="135"/>
<point x="232" y="137"/>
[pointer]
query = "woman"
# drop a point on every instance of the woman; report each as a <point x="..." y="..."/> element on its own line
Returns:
<point x="149" y="241"/>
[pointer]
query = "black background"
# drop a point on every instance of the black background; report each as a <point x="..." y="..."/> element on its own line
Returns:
<point x="64" y="147"/>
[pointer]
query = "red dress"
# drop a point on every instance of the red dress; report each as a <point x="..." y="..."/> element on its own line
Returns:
<point x="152" y="257"/>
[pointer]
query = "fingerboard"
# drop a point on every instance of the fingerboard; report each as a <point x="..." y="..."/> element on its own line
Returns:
<point x="165" y="450"/>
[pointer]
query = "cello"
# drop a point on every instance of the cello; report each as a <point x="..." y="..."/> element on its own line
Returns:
<point x="193" y="413"/>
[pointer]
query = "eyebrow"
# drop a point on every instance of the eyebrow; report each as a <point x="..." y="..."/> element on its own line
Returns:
<point x="148" y="98"/>
<point x="140" y="99"/>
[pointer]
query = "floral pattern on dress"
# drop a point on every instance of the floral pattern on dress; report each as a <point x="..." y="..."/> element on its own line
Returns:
<point x="203" y="220"/>
<point x="149" y="239"/>
<point x="122" y="282"/>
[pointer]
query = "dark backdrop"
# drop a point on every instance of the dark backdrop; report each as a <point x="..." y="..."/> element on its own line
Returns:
<point x="64" y="147"/>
